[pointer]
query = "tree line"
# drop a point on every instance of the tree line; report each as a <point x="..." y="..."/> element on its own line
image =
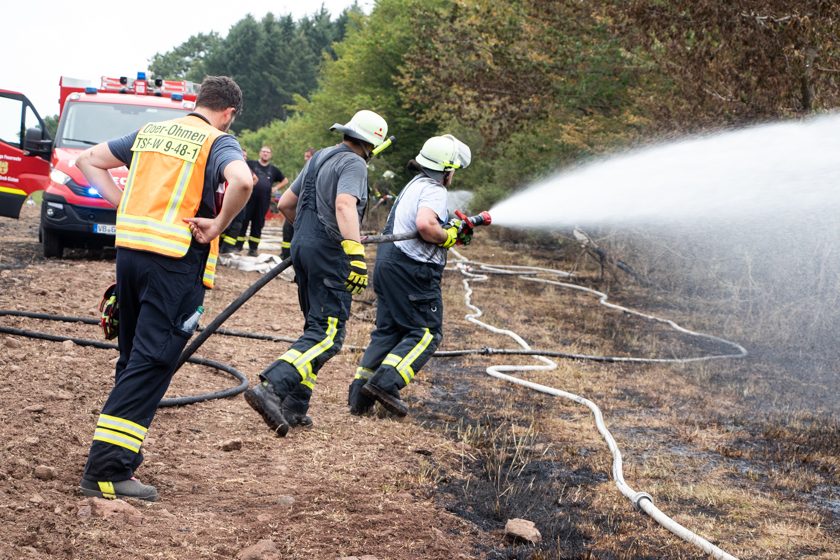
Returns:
<point x="273" y="59"/>
<point x="530" y="85"/>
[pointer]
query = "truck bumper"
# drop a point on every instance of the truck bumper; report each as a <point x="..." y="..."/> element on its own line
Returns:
<point x="78" y="225"/>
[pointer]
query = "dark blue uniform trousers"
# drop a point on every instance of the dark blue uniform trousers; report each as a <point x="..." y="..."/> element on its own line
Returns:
<point x="155" y="294"/>
<point x="409" y="315"/>
<point x="320" y="270"/>
<point x="255" y="212"/>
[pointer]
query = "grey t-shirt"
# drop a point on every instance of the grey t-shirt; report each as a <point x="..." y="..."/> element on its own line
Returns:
<point x="420" y="192"/>
<point x="345" y="172"/>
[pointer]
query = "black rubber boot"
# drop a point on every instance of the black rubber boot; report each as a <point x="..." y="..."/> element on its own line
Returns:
<point x="385" y="387"/>
<point x="360" y="403"/>
<point x="296" y="405"/>
<point x="264" y="400"/>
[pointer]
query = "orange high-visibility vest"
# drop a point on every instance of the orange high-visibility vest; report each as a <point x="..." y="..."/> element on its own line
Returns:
<point x="164" y="186"/>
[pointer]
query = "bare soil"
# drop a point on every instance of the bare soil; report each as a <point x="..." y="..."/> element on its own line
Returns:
<point x="759" y="481"/>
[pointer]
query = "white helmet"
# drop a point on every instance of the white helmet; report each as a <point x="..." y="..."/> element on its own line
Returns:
<point x="366" y="126"/>
<point x="442" y="153"/>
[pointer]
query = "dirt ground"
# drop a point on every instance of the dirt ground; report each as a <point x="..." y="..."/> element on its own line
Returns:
<point x="441" y="484"/>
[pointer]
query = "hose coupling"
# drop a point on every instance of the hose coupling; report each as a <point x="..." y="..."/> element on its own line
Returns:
<point x="638" y="497"/>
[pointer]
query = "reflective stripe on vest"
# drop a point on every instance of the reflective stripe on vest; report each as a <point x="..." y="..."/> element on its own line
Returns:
<point x="164" y="186"/>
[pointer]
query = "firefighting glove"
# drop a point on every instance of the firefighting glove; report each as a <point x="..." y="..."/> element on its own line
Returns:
<point x="357" y="279"/>
<point x="456" y="232"/>
<point x="109" y="310"/>
<point x="465" y="235"/>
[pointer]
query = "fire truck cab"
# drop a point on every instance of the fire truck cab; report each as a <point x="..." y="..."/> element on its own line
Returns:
<point x="74" y="214"/>
<point x="25" y="150"/>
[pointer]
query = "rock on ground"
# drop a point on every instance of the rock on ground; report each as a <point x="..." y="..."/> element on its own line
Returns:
<point x="522" y="529"/>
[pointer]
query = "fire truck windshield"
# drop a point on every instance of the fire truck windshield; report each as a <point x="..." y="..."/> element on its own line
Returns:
<point x="86" y="124"/>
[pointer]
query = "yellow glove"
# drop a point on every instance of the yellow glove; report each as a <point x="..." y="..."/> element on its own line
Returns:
<point x="452" y="229"/>
<point x="357" y="279"/>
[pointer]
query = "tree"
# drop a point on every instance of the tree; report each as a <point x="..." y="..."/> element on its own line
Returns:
<point x="530" y="85"/>
<point x="736" y="62"/>
<point x="361" y="77"/>
<point x="186" y="61"/>
<point x="272" y="59"/>
<point x="533" y="86"/>
<point x="51" y="122"/>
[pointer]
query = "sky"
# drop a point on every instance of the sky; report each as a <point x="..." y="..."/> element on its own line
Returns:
<point x="95" y="38"/>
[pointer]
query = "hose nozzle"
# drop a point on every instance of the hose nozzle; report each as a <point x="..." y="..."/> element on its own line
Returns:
<point x="481" y="219"/>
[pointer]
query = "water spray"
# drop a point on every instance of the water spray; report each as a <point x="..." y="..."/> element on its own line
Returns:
<point x="767" y="171"/>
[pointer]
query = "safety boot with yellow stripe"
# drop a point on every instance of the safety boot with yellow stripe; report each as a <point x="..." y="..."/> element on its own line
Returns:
<point x="131" y="488"/>
<point x="385" y="387"/>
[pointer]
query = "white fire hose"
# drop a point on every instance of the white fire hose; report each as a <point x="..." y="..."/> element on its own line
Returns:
<point x="640" y="500"/>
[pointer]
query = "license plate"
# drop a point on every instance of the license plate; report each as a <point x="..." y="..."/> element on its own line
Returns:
<point x="108" y="229"/>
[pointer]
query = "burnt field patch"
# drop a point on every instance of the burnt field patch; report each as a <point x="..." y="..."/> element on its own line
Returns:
<point x="718" y="446"/>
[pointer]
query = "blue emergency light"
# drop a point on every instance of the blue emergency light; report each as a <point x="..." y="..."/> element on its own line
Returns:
<point x="177" y="97"/>
<point x="90" y="89"/>
<point x="93" y="192"/>
<point x="141" y="75"/>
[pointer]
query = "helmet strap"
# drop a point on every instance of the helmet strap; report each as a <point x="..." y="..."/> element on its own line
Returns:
<point x="447" y="176"/>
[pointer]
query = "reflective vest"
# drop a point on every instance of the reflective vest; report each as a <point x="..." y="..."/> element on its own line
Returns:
<point x="164" y="186"/>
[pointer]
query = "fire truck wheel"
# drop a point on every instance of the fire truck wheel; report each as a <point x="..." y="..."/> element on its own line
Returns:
<point x="53" y="248"/>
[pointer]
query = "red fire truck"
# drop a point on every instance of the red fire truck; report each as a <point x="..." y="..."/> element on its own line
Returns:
<point x="73" y="214"/>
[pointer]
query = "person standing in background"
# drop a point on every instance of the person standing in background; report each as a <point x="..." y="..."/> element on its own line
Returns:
<point x="227" y="241"/>
<point x="269" y="178"/>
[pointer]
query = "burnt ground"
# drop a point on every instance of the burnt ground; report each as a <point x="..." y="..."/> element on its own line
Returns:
<point x="759" y="480"/>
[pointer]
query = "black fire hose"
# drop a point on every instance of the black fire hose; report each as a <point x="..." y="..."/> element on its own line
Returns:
<point x="174" y="401"/>
<point x="217" y="321"/>
<point x="203" y="335"/>
<point x="215" y="324"/>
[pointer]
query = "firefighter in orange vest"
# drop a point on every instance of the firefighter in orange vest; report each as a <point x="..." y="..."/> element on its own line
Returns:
<point x="167" y="245"/>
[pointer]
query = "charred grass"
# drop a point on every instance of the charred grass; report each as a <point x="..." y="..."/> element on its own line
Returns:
<point x="729" y="449"/>
<point x="761" y="481"/>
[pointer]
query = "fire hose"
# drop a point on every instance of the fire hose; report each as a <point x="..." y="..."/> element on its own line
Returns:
<point x="480" y="219"/>
<point x="210" y="329"/>
<point x="640" y="500"/>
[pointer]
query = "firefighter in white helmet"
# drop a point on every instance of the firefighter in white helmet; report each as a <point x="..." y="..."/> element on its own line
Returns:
<point x="407" y="275"/>
<point x="326" y="204"/>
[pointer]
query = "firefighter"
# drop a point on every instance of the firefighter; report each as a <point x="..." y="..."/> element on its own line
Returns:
<point x="167" y="246"/>
<point x="227" y="241"/>
<point x="269" y="179"/>
<point x="406" y="279"/>
<point x="326" y="203"/>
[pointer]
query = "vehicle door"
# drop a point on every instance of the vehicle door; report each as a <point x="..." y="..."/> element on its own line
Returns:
<point x="25" y="147"/>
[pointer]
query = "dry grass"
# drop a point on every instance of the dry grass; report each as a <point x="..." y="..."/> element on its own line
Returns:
<point x="692" y="435"/>
<point x="719" y="446"/>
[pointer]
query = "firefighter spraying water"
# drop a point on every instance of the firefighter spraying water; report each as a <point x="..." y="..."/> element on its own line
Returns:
<point x="407" y="278"/>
